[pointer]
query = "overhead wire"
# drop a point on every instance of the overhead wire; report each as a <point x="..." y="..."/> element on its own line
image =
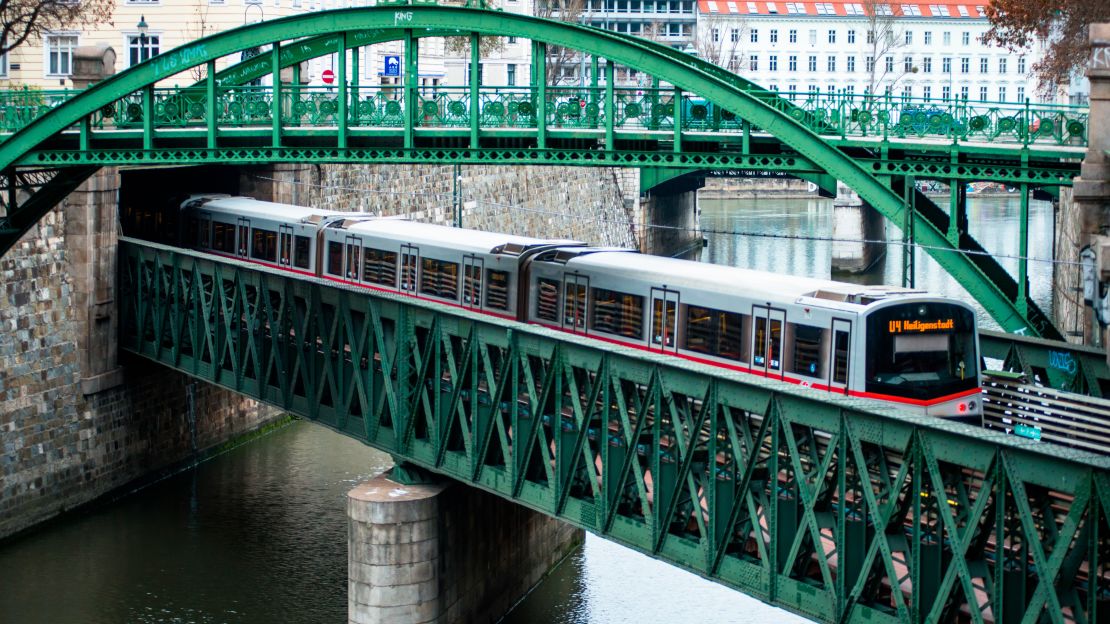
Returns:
<point x="703" y="231"/>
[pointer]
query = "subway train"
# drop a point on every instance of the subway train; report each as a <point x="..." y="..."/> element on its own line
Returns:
<point x="888" y="344"/>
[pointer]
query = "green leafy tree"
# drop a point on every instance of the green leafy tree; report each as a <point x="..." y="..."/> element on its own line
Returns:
<point x="1061" y="24"/>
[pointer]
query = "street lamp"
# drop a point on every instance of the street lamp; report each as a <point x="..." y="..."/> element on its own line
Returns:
<point x="143" y="27"/>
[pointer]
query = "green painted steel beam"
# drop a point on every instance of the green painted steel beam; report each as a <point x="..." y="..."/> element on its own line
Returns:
<point x="1056" y="364"/>
<point x="813" y="502"/>
<point x="688" y="74"/>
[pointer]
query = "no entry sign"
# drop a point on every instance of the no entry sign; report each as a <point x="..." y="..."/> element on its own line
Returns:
<point x="328" y="76"/>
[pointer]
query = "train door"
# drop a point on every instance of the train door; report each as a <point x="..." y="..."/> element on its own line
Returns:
<point x="285" y="245"/>
<point x="352" y="256"/>
<point x="664" y="320"/>
<point x="244" y="245"/>
<point x="767" y="325"/>
<point x="840" y="356"/>
<point x="575" y="288"/>
<point x="410" y="260"/>
<point x="472" y="282"/>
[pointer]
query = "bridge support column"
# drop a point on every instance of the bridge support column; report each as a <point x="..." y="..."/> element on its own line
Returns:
<point x="669" y="213"/>
<point x="1083" y="218"/>
<point x="444" y="552"/>
<point x="854" y="222"/>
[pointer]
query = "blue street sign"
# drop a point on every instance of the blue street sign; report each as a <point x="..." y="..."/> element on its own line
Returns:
<point x="1025" y="431"/>
<point x="392" y="65"/>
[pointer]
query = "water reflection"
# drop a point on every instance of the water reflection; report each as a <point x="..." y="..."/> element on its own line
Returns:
<point x="993" y="221"/>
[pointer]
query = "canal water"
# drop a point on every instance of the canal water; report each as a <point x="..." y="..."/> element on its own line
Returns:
<point x="259" y="534"/>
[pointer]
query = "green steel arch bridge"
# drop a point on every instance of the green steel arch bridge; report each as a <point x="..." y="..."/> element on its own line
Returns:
<point x="695" y="117"/>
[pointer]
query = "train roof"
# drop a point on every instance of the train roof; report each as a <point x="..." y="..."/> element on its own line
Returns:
<point x="247" y="207"/>
<point x="733" y="280"/>
<point x="473" y="241"/>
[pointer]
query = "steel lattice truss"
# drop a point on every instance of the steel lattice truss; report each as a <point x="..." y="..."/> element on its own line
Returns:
<point x="827" y="507"/>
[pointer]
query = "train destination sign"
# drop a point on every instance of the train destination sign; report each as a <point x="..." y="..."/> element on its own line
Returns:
<point x="901" y="327"/>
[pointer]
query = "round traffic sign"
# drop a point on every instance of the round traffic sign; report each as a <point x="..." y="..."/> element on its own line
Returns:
<point x="328" y="76"/>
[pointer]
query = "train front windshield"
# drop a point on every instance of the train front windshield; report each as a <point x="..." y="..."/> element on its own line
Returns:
<point x="921" y="351"/>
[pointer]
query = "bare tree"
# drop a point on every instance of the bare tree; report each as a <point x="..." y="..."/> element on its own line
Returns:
<point x="195" y="29"/>
<point x="31" y="19"/>
<point x="884" y="37"/>
<point x="561" y="62"/>
<point x="721" y="41"/>
<point x="460" y="46"/>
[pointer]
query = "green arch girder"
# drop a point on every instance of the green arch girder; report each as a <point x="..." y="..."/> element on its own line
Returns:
<point x="686" y="72"/>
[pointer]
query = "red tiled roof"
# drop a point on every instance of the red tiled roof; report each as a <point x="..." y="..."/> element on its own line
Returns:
<point x="941" y="8"/>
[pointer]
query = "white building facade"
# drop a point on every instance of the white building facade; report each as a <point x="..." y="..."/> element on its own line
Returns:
<point x="930" y="51"/>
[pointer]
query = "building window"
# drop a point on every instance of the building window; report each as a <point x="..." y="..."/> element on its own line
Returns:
<point x="850" y="89"/>
<point x="812" y="62"/>
<point x="947" y="38"/>
<point x="755" y="35"/>
<point x="1021" y="94"/>
<point x="907" y="64"/>
<point x="1001" y="94"/>
<point x="753" y="63"/>
<point x="716" y="36"/>
<point x="4" y="65"/>
<point x="982" y="94"/>
<point x="965" y="39"/>
<point x="851" y="36"/>
<point x="510" y="75"/>
<point x="773" y="62"/>
<point x="927" y="65"/>
<point x="793" y="63"/>
<point x="1021" y="65"/>
<point x="983" y="65"/>
<point x="139" y="51"/>
<point x="890" y="63"/>
<point x="734" y="36"/>
<point x="965" y="92"/>
<point x="793" y="36"/>
<point x="851" y="63"/>
<point x="59" y="54"/>
<point x="774" y="35"/>
<point x="1002" y="66"/>
<point x="909" y="37"/>
<point x="946" y="93"/>
<point x="832" y="63"/>
<point x="832" y="36"/>
<point x="870" y="64"/>
<point x="512" y="40"/>
<point x="965" y="65"/>
<point x="927" y="92"/>
<point x="928" y="37"/>
<point x="946" y="64"/>
<point x="870" y="37"/>
<point x="812" y="37"/>
<point x="907" y="92"/>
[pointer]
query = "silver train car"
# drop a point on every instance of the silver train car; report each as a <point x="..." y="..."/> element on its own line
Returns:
<point x="888" y="344"/>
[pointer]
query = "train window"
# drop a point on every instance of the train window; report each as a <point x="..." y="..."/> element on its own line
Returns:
<point x="840" y="358"/>
<point x="223" y="237"/>
<point x="335" y="258"/>
<point x="618" y="313"/>
<point x="547" y="299"/>
<point x="497" y="289"/>
<point x="767" y="348"/>
<point x="574" y="303"/>
<point x="472" y="287"/>
<point x="807" y="351"/>
<point x="440" y="279"/>
<point x="379" y="267"/>
<point x="714" y="332"/>
<point x="302" y="251"/>
<point x="264" y="244"/>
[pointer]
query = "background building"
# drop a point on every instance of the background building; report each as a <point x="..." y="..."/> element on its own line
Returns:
<point x="921" y="50"/>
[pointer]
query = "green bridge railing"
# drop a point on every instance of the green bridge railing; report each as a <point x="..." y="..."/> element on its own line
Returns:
<point x="839" y="114"/>
<point x="835" y="508"/>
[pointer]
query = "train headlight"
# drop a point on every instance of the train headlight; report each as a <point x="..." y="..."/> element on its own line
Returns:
<point x="961" y="408"/>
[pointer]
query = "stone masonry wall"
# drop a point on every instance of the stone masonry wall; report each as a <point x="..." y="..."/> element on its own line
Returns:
<point x="583" y="203"/>
<point x="1071" y="314"/>
<point x="59" y="447"/>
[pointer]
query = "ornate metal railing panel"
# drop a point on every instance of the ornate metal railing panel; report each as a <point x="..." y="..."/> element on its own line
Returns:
<point x="829" y="507"/>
